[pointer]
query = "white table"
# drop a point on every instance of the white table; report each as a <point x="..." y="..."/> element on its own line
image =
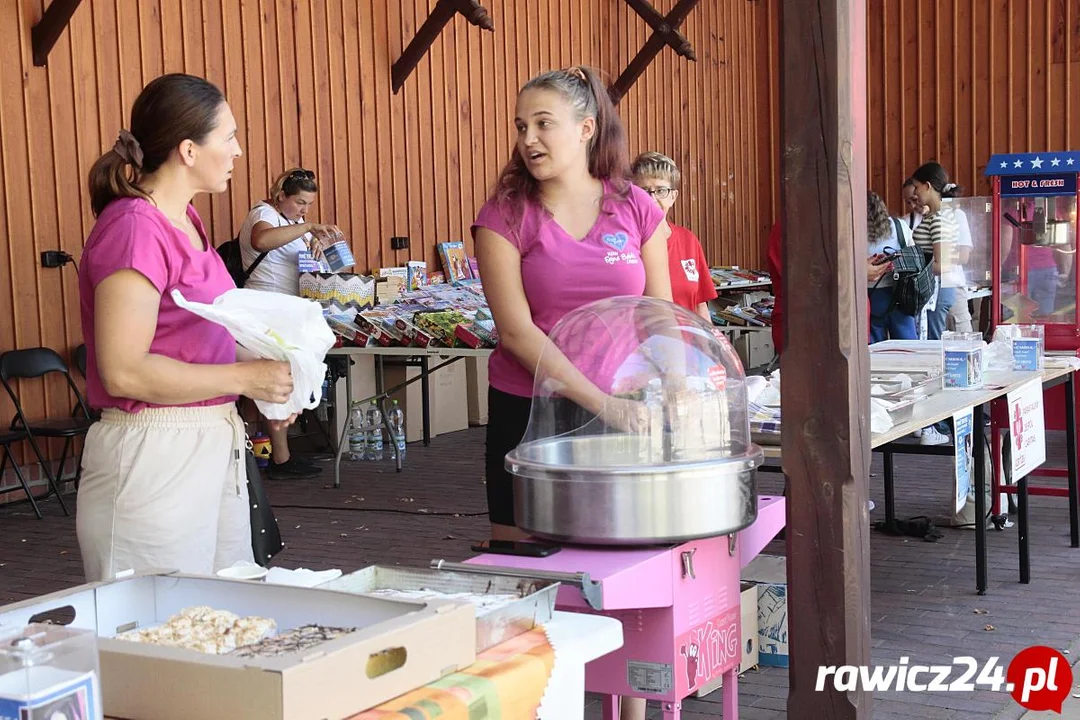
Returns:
<point x="577" y="639"/>
<point x="410" y="357"/>
<point x="900" y="356"/>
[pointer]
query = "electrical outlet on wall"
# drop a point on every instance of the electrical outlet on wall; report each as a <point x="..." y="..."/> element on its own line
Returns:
<point x="399" y="243"/>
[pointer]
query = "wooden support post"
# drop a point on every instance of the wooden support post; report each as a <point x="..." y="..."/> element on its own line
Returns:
<point x="825" y="362"/>
<point x="441" y="14"/>
<point x="665" y="32"/>
<point x="47" y="31"/>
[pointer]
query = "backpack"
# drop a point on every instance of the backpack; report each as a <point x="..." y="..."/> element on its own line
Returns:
<point x="913" y="277"/>
<point x="234" y="261"/>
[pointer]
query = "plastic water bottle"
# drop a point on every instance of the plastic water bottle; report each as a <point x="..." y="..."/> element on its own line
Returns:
<point x="375" y="441"/>
<point x="358" y="435"/>
<point x="397" y="426"/>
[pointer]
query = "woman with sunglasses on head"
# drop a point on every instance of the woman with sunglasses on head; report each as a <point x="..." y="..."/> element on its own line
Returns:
<point x="276" y="231"/>
<point x="271" y="238"/>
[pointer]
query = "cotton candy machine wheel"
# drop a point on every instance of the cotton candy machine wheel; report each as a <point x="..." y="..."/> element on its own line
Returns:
<point x="594" y="490"/>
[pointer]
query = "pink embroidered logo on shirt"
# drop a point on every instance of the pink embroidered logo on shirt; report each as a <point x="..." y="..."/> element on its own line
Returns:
<point x="690" y="268"/>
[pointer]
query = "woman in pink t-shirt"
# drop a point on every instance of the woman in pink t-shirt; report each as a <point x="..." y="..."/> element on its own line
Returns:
<point x="563" y="228"/>
<point x="164" y="476"/>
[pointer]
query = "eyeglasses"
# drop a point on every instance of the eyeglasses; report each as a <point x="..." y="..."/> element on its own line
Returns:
<point x="661" y="192"/>
<point x="304" y="174"/>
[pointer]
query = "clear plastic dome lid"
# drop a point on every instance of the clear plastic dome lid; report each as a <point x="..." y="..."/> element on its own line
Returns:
<point x="653" y="383"/>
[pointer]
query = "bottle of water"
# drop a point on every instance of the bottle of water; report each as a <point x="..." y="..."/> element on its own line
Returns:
<point x="397" y="427"/>
<point x="375" y="428"/>
<point x="358" y="434"/>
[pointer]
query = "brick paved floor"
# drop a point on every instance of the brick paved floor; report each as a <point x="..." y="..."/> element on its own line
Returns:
<point x="923" y="598"/>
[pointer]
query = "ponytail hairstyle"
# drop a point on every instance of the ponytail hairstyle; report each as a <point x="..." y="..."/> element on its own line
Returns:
<point x="935" y="176"/>
<point x="609" y="156"/>
<point x="171" y="109"/>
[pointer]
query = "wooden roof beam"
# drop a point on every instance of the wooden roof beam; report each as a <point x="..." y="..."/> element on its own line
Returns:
<point x="825" y="362"/>
<point x="665" y="32"/>
<point x="48" y="30"/>
<point x="441" y="14"/>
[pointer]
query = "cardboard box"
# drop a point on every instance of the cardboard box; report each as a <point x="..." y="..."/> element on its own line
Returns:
<point x="448" y="398"/>
<point x="452" y="393"/>
<point x="748" y="604"/>
<point x="335" y="679"/>
<point x="476" y="382"/>
<point x="769" y="573"/>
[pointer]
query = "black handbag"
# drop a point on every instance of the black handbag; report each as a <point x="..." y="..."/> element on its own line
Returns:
<point x="913" y="277"/>
<point x="265" y="534"/>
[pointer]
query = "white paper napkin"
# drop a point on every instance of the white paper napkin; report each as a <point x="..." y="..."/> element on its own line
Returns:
<point x="301" y="577"/>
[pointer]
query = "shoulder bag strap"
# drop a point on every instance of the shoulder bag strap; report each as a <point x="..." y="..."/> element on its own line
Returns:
<point x="262" y="256"/>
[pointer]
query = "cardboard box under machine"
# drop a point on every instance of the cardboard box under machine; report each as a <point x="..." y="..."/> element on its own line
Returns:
<point x="419" y="642"/>
<point x="769" y="573"/>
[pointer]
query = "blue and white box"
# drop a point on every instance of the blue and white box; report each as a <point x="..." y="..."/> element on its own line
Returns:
<point x="1028" y="348"/>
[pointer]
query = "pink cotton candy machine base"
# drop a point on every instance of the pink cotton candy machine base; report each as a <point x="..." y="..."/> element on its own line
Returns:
<point x="678" y="604"/>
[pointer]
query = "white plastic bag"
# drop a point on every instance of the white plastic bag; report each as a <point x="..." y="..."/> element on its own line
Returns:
<point x="275" y="327"/>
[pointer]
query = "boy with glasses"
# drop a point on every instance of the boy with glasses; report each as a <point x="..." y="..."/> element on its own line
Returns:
<point x="691" y="283"/>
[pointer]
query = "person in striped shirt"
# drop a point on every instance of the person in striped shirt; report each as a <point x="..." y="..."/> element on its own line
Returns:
<point x="937" y="236"/>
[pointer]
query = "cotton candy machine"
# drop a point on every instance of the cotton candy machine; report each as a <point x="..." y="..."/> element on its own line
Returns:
<point x="663" y="452"/>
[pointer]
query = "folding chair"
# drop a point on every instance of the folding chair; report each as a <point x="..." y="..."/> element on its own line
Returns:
<point x="35" y="363"/>
<point x="7" y="439"/>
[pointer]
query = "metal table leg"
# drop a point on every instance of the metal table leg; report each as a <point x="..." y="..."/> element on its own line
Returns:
<point x="978" y="431"/>
<point x="1070" y="444"/>
<point x="890" y="492"/>
<point x="344" y="439"/>
<point x="425" y="400"/>
<point x="1022" y="530"/>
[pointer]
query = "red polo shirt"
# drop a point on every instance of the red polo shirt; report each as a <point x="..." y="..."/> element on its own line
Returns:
<point x="691" y="283"/>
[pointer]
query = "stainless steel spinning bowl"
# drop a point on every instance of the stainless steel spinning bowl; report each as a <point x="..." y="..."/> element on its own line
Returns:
<point x="613" y="490"/>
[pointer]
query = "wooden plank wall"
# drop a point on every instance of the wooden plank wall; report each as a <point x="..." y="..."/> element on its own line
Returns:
<point x="309" y="83"/>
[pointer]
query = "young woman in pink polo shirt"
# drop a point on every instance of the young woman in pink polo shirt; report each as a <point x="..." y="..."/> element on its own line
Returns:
<point x="565" y="226"/>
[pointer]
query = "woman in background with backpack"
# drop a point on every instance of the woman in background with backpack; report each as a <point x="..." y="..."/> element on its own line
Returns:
<point x="885" y="236"/>
<point x="275" y="231"/>
<point x="271" y="239"/>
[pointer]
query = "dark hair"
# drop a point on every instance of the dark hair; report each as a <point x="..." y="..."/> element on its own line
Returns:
<point x="878" y="221"/>
<point x="294" y="181"/>
<point x="609" y="156"/>
<point x="171" y="109"/>
<point x="934" y="174"/>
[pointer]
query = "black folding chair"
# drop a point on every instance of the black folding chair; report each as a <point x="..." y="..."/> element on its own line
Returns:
<point x="7" y="439"/>
<point x="35" y="363"/>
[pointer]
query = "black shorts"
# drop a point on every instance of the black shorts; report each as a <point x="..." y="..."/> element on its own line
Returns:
<point x="508" y="419"/>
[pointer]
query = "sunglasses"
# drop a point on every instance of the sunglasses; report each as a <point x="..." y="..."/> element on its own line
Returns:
<point x="302" y="174"/>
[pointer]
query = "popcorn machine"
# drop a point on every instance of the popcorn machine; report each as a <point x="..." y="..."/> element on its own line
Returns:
<point x="1034" y="244"/>
<point x="1035" y="281"/>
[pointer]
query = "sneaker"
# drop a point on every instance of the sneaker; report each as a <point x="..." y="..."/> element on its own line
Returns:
<point x="917" y="433"/>
<point x="931" y="436"/>
<point x="291" y="470"/>
<point x="303" y="462"/>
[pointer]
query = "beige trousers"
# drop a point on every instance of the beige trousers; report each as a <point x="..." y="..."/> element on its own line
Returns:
<point x="165" y="488"/>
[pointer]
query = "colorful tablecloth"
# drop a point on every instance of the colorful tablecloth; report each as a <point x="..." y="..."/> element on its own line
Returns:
<point x="506" y="681"/>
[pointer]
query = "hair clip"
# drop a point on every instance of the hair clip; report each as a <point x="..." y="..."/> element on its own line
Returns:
<point x="578" y="73"/>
